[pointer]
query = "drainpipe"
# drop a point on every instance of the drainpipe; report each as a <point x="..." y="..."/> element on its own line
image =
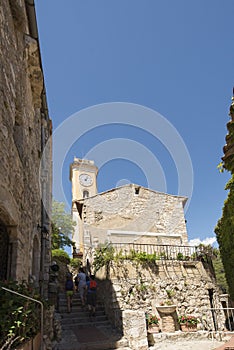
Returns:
<point x="31" y="14"/>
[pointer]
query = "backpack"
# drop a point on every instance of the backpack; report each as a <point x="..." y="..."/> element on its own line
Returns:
<point x="92" y="285"/>
<point x="69" y="285"/>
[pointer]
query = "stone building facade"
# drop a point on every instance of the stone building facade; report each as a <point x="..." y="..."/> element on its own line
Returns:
<point x="177" y="281"/>
<point x="25" y="152"/>
<point x="127" y="214"/>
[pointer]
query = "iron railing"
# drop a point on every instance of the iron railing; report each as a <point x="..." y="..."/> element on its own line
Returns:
<point x="217" y="317"/>
<point x="161" y="252"/>
<point x="35" y="301"/>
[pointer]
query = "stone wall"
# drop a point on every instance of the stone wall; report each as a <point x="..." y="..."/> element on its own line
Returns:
<point x="25" y="129"/>
<point x="127" y="286"/>
<point x="121" y="213"/>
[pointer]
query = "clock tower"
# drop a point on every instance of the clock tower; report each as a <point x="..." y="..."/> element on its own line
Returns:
<point x="83" y="176"/>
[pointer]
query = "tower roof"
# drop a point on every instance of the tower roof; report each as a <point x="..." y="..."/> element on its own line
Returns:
<point x="82" y="165"/>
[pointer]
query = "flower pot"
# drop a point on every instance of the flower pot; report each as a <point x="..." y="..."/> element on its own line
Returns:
<point x="188" y="327"/>
<point x="153" y="329"/>
<point x="34" y="343"/>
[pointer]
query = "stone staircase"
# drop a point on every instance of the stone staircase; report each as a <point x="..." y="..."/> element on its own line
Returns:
<point x="80" y="332"/>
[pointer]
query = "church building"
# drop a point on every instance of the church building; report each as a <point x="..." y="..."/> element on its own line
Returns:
<point x="123" y="215"/>
<point x="136" y="220"/>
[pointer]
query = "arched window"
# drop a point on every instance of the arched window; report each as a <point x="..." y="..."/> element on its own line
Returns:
<point x="85" y="194"/>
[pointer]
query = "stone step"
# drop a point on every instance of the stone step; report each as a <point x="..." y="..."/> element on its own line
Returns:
<point x="113" y="342"/>
<point x="80" y="313"/>
<point x="80" y="332"/>
<point x="76" y="304"/>
<point x="79" y="324"/>
<point x="108" y="345"/>
<point x="79" y="309"/>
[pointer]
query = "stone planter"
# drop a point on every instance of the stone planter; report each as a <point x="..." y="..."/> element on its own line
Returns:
<point x="166" y="309"/>
<point x="153" y="329"/>
<point x="34" y="343"/>
<point x="167" y="314"/>
<point x="188" y="328"/>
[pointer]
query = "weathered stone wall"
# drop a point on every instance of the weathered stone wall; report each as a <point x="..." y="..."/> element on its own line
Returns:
<point x="130" y="286"/>
<point x="133" y="208"/>
<point x="25" y="128"/>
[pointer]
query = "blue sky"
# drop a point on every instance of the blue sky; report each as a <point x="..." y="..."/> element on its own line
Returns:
<point x="172" y="57"/>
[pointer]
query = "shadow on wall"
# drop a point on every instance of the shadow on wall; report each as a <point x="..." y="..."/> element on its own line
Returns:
<point x="126" y="294"/>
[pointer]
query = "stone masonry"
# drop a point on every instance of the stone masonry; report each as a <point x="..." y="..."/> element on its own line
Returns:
<point x="25" y="130"/>
<point x="130" y="214"/>
<point x="129" y="290"/>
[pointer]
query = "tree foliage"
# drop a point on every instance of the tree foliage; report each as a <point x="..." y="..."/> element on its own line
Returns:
<point x="62" y="226"/>
<point x="220" y="273"/>
<point x="61" y="255"/>
<point x="212" y="256"/>
<point x="225" y="227"/>
<point x="225" y="236"/>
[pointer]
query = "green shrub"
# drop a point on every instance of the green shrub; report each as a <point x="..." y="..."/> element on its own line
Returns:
<point x="19" y="317"/>
<point x="142" y="257"/>
<point x="104" y="254"/>
<point x="170" y="293"/>
<point x="61" y="255"/>
<point x="75" y="263"/>
<point x="180" y="256"/>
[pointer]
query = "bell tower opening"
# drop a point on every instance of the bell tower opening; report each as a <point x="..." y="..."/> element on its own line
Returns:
<point x="85" y="194"/>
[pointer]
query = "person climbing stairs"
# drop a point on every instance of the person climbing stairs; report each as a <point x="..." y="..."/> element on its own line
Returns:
<point x="80" y="332"/>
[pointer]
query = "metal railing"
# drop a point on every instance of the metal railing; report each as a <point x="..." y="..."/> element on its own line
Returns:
<point x="220" y="319"/>
<point x="161" y="252"/>
<point x="35" y="301"/>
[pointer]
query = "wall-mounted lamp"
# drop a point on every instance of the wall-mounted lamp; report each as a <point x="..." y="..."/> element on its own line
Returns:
<point x="54" y="266"/>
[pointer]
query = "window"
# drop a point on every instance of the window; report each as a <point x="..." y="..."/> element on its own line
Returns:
<point x="137" y="190"/>
<point x="85" y="194"/>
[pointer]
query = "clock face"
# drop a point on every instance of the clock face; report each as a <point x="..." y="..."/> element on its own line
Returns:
<point x="85" y="180"/>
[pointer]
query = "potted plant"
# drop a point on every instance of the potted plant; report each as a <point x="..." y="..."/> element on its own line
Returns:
<point x="188" y="322"/>
<point x="152" y="323"/>
<point x="166" y="307"/>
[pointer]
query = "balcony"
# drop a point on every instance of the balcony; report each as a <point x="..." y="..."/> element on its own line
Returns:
<point x="161" y="252"/>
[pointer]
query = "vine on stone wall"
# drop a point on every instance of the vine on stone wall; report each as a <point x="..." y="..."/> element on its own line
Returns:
<point x="105" y="253"/>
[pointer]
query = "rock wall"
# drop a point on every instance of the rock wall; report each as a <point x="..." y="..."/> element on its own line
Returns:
<point x="125" y="286"/>
<point x="25" y="129"/>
